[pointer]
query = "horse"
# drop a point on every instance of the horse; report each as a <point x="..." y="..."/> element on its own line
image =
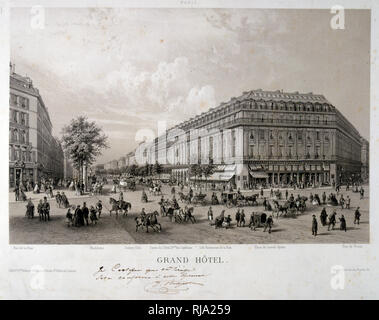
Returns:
<point x="280" y="209"/>
<point x="183" y="197"/>
<point x="252" y="199"/>
<point x="149" y="220"/>
<point x="117" y="205"/>
<point x="188" y="215"/>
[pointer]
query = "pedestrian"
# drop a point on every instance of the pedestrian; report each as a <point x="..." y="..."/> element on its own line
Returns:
<point x="99" y="207"/>
<point x="242" y="218"/>
<point x="69" y="218"/>
<point x="362" y="192"/>
<point x="332" y="220"/>
<point x="93" y="215"/>
<point x="343" y="223"/>
<point x="268" y="224"/>
<point x="286" y="194"/>
<point x="30" y="209"/>
<point x="342" y="202"/>
<point x="323" y="197"/>
<point x="357" y="216"/>
<point x="85" y="213"/>
<point x="17" y="193"/>
<point x="46" y="209"/>
<point x="40" y="210"/>
<point x="210" y="214"/>
<point x="314" y="226"/>
<point x="79" y="220"/>
<point x="323" y="216"/>
<point x="348" y="202"/>
<point x="238" y="215"/>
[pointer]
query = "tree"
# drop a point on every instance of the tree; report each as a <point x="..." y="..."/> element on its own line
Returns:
<point x="195" y="170"/>
<point x="208" y="170"/>
<point x="132" y="170"/>
<point x="157" y="168"/>
<point x="83" y="141"/>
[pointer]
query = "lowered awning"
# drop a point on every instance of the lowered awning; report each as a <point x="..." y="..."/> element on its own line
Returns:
<point x="216" y="176"/>
<point x="259" y="174"/>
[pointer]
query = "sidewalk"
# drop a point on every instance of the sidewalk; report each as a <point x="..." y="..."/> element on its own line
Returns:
<point x="39" y="196"/>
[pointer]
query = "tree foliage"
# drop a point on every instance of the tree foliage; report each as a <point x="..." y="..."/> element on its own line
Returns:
<point x="83" y="141"/>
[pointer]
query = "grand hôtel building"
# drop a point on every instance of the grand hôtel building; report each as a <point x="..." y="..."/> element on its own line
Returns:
<point x="264" y="136"/>
<point x="33" y="151"/>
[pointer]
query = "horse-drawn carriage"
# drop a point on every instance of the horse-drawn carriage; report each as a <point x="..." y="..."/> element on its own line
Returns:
<point x="127" y="184"/>
<point x="289" y="208"/>
<point x="278" y="194"/>
<point x="233" y="199"/>
<point x="257" y="220"/>
<point x="177" y="214"/>
<point x="199" y="198"/>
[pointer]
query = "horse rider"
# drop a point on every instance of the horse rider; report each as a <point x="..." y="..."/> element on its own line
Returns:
<point x="227" y="221"/>
<point x="314" y="226"/>
<point x="210" y="214"/>
<point x="46" y="209"/>
<point x="175" y="203"/>
<point x="323" y="216"/>
<point x="357" y="216"/>
<point x="143" y="214"/>
<point x="99" y="207"/>
<point x="343" y="223"/>
<point x="121" y="197"/>
<point x="220" y="219"/>
<point x="332" y="220"/>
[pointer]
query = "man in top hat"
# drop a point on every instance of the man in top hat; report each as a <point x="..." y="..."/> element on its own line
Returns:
<point x="314" y="225"/>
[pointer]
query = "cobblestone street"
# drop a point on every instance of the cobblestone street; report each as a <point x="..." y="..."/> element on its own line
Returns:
<point x="110" y="230"/>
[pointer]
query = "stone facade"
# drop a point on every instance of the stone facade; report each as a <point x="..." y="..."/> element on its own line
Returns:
<point x="33" y="151"/>
<point x="270" y="136"/>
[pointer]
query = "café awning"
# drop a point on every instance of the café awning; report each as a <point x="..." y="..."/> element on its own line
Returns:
<point x="259" y="174"/>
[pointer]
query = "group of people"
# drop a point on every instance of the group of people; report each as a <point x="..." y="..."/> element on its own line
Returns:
<point x="331" y="220"/>
<point x="43" y="209"/>
<point x="83" y="215"/>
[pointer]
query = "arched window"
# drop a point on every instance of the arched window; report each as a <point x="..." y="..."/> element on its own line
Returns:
<point x="15" y="135"/>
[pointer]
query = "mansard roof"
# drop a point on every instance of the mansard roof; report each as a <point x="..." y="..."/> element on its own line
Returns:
<point x="261" y="95"/>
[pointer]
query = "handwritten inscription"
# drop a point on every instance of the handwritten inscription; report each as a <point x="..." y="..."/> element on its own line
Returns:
<point x="164" y="280"/>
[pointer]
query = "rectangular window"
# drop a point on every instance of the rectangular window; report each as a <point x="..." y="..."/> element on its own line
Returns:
<point x="317" y="135"/>
<point x="251" y="151"/>
<point x="210" y="155"/>
<point x="261" y="134"/>
<point x="299" y="135"/>
<point x="233" y="143"/>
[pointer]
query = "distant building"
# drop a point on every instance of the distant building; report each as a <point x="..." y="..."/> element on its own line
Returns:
<point x="111" y="165"/>
<point x="33" y="151"/>
<point x="121" y="163"/>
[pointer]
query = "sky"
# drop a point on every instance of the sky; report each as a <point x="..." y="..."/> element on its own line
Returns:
<point x="127" y="69"/>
